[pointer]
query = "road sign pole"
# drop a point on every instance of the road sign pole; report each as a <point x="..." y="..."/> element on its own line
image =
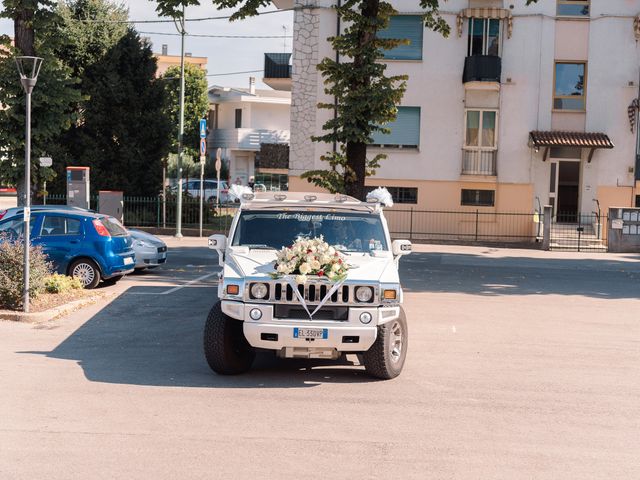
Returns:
<point x="202" y="158"/>
<point x="218" y="167"/>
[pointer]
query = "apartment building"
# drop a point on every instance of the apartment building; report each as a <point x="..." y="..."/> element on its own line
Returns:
<point x="241" y="121"/>
<point x="165" y="60"/>
<point x="519" y="108"/>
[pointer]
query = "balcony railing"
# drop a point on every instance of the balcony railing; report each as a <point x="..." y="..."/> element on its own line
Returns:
<point x="479" y="162"/>
<point x="276" y="65"/>
<point x="246" y="138"/>
<point x="482" y="68"/>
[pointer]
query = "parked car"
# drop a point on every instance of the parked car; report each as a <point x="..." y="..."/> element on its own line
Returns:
<point x="210" y="190"/>
<point x="150" y="251"/>
<point x="85" y="245"/>
<point x="10" y="212"/>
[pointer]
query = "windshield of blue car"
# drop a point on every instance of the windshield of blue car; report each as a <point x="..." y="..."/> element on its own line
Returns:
<point x="349" y="232"/>
<point x="114" y="227"/>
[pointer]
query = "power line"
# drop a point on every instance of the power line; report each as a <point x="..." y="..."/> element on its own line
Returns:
<point x="216" y="36"/>
<point x="202" y="19"/>
<point x="233" y="73"/>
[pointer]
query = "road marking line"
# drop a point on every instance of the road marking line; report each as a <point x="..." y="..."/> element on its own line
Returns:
<point x="179" y="287"/>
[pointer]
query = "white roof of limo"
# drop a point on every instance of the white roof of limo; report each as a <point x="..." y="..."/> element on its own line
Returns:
<point x="306" y="200"/>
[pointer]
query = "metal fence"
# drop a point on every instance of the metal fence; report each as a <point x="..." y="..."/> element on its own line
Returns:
<point x="470" y="226"/>
<point x="581" y="232"/>
<point x="465" y="226"/>
<point x="154" y="212"/>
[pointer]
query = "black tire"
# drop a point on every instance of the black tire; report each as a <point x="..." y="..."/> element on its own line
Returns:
<point x="87" y="271"/>
<point x="384" y="359"/>
<point x="113" y="280"/>
<point x="225" y="348"/>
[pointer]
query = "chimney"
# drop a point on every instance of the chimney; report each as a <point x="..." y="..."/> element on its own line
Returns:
<point x="252" y="85"/>
<point x="165" y="49"/>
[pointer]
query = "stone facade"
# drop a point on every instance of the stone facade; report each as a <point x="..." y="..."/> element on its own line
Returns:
<point x="304" y="89"/>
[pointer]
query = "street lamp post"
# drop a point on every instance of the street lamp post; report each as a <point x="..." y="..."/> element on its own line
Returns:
<point x="181" y="127"/>
<point x="28" y="68"/>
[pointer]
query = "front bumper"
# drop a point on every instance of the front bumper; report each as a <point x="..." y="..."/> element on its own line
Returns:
<point x="272" y="333"/>
<point x="150" y="257"/>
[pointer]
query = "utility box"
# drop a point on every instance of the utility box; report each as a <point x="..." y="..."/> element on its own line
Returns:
<point x="111" y="203"/>
<point x="78" y="187"/>
<point x="624" y="230"/>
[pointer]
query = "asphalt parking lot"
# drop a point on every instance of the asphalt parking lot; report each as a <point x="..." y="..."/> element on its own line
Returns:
<point x="521" y="364"/>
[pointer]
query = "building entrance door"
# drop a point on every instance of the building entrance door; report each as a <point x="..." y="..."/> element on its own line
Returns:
<point x="568" y="194"/>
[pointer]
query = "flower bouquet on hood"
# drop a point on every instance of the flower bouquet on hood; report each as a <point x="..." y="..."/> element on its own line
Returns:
<point x="310" y="257"/>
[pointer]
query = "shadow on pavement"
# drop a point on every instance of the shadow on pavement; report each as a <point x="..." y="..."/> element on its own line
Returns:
<point x="157" y="340"/>
<point x="487" y="276"/>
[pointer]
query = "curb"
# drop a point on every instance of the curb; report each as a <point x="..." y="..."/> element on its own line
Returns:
<point x="52" y="313"/>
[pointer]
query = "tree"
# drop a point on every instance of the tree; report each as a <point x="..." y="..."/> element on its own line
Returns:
<point x="196" y="105"/>
<point x="124" y="134"/>
<point x="36" y="33"/>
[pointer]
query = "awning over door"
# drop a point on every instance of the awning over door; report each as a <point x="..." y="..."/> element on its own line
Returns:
<point x="487" y="12"/>
<point x="547" y="139"/>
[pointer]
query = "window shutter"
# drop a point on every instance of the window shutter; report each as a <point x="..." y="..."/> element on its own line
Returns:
<point x="405" y="130"/>
<point x="407" y="27"/>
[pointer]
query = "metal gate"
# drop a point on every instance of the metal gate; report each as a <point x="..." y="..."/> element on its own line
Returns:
<point x="578" y="232"/>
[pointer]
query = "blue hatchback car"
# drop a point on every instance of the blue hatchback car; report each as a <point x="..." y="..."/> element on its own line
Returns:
<point x="88" y="246"/>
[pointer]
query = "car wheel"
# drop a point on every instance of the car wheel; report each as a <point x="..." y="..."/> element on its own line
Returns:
<point x="225" y="347"/>
<point x="386" y="356"/>
<point x="86" y="271"/>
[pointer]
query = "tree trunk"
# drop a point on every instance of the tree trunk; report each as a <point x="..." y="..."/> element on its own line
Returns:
<point x="357" y="158"/>
<point x="357" y="151"/>
<point x="23" y="27"/>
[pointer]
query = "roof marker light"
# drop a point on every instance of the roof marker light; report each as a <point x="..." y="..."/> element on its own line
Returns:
<point x="280" y="196"/>
<point x="310" y="198"/>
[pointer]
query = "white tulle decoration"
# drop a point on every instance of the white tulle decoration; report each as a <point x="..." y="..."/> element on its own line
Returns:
<point x="237" y="191"/>
<point x="381" y="195"/>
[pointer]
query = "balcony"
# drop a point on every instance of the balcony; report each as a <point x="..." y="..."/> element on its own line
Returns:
<point x="479" y="162"/>
<point x="277" y="71"/>
<point x="482" y="68"/>
<point x="245" y="138"/>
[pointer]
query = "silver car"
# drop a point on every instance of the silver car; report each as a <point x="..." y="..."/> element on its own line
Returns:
<point x="150" y="251"/>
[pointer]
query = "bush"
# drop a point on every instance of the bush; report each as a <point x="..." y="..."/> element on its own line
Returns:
<point x="57" y="283"/>
<point x="11" y="272"/>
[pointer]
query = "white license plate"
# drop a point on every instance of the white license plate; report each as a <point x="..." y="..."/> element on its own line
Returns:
<point x="128" y="261"/>
<point x="310" y="333"/>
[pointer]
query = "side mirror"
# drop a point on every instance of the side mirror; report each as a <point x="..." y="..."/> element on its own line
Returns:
<point x="217" y="242"/>
<point x="401" y="247"/>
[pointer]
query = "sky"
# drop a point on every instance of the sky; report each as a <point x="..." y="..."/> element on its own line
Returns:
<point x="225" y="54"/>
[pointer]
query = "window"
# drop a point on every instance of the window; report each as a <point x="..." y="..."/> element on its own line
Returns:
<point x="60" y="226"/>
<point x="479" y="198"/>
<point x="484" y="36"/>
<point x="405" y="130"/>
<point x="480" y="129"/>
<point x="14" y="227"/>
<point x="400" y="194"/>
<point x="570" y="86"/>
<point x="407" y="27"/>
<point x="573" y="8"/>
<point x="238" y="118"/>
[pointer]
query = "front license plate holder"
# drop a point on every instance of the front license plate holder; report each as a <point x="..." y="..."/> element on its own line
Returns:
<point x="313" y="333"/>
<point x="128" y="261"/>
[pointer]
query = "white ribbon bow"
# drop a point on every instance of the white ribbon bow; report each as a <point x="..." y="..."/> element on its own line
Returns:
<point x="300" y="297"/>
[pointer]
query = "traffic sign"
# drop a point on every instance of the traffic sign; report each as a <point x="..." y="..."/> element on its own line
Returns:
<point x="46" y="161"/>
<point x="203" y="147"/>
<point x="203" y="128"/>
<point x="218" y="160"/>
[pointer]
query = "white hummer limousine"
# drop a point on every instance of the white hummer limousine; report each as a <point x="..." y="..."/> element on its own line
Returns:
<point x="316" y="316"/>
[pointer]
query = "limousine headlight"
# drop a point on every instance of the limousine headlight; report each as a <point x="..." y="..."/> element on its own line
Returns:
<point x="259" y="290"/>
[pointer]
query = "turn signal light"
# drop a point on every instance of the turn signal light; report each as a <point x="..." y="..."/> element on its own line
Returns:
<point x="233" y="289"/>
<point x="390" y="294"/>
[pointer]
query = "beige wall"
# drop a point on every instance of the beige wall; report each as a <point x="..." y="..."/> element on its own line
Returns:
<point x="166" y="61"/>
<point x="8" y="201"/>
